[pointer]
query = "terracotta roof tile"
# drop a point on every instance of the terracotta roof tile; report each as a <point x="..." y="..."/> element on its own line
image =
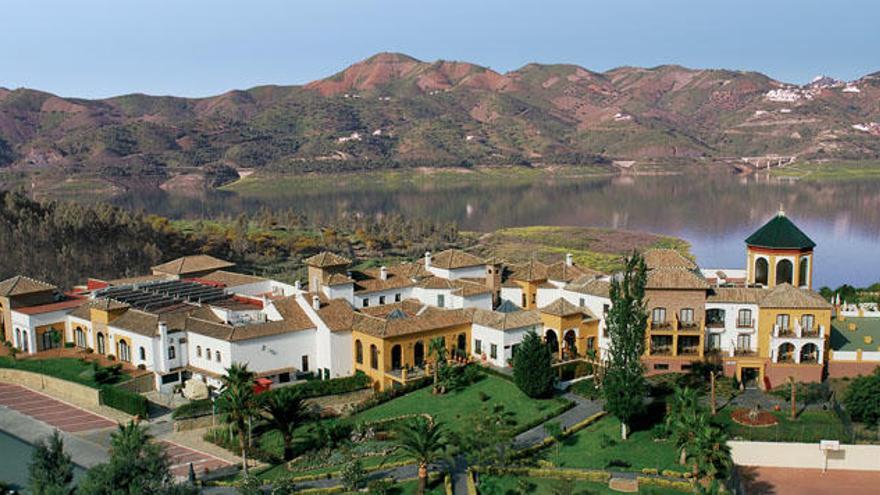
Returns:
<point x="590" y="286"/>
<point x="529" y="272"/>
<point x="506" y="321"/>
<point x="675" y="278"/>
<point x="667" y="258"/>
<point x="788" y="296"/>
<point x="21" y="285"/>
<point x="562" y="272"/>
<point x="232" y="279"/>
<point x="429" y="320"/>
<point x="455" y="258"/>
<point x="192" y="264"/>
<point x="743" y="295"/>
<point x="327" y="259"/>
<point x="561" y="307"/>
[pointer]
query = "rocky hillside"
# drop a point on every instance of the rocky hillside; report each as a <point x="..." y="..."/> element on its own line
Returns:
<point x="392" y="110"/>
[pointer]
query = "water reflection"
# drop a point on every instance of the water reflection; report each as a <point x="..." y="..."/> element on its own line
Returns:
<point x="714" y="212"/>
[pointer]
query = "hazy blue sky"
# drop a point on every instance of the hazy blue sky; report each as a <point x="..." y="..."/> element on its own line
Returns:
<point x="94" y="48"/>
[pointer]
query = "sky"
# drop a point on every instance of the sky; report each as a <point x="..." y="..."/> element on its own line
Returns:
<point x="99" y="48"/>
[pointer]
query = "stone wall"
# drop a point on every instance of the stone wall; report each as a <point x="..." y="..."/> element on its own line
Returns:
<point x="61" y="389"/>
<point x="805" y="455"/>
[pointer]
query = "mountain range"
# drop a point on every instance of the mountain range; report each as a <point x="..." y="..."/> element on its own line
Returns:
<point x="392" y="110"/>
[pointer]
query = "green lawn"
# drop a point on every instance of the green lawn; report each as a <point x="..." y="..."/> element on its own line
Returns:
<point x="810" y="426"/>
<point x="70" y="369"/>
<point x="502" y="485"/>
<point x="457" y="410"/>
<point x="831" y="171"/>
<point x="598" y="444"/>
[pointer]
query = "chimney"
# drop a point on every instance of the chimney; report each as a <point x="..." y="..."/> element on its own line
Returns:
<point x="316" y="302"/>
<point x="297" y="285"/>
<point x="383" y="273"/>
<point x="427" y="259"/>
<point x="569" y="259"/>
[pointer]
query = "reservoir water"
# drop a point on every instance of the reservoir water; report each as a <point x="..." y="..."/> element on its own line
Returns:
<point x="714" y="212"/>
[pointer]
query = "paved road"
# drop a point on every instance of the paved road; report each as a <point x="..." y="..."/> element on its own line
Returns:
<point x="53" y="412"/>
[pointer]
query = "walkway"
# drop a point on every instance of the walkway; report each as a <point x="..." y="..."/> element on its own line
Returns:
<point x="53" y="412"/>
<point x="583" y="409"/>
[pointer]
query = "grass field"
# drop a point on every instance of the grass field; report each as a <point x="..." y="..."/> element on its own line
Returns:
<point x="599" y="444"/>
<point x="70" y="369"/>
<point x="831" y="171"/>
<point x="502" y="485"/>
<point x="810" y="426"/>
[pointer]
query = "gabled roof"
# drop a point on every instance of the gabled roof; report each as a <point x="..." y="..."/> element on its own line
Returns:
<point x="563" y="272"/>
<point x="455" y="258"/>
<point x="428" y="320"/>
<point x="294" y="320"/>
<point x="232" y="279"/>
<point x="667" y="258"/>
<point x="742" y="295"/>
<point x="192" y="264"/>
<point x="337" y="314"/>
<point x="327" y="259"/>
<point x="780" y="233"/>
<point x="590" y="285"/>
<point x="507" y="306"/>
<point x="787" y="296"/>
<point x="458" y="287"/>
<point x="529" y="272"/>
<point x="506" y="321"/>
<point x="21" y="285"/>
<point x="561" y="307"/>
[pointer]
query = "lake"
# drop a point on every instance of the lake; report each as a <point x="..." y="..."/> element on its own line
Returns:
<point x="715" y="212"/>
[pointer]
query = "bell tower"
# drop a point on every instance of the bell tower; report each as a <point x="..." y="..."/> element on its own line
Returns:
<point x="779" y="253"/>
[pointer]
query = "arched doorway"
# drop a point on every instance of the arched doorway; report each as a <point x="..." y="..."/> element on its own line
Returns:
<point x="551" y="340"/>
<point x="761" y="270"/>
<point x="809" y="353"/>
<point x="462" y="342"/>
<point x="570" y="340"/>
<point x="802" y="272"/>
<point x="359" y="352"/>
<point x="18" y="338"/>
<point x="785" y="353"/>
<point x="419" y="354"/>
<point x="102" y="346"/>
<point x="396" y="357"/>
<point x="784" y="272"/>
<point x="374" y="357"/>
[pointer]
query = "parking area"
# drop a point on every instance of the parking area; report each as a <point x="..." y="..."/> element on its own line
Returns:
<point x="53" y="412"/>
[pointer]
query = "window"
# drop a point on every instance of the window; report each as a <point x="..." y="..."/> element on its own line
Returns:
<point x="171" y="352"/>
<point x="591" y="343"/>
<point x="374" y="357"/>
<point x="784" y="269"/>
<point x="686" y="315"/>
<point x="142" y="353"/>
<point x="605" y="309"/>
<point x="170" y="378"/>
<point x="217" y="356"/>
<point x="208" y="353"/>
<point x="744" y="318"/>
<point x="524" y="302"/>
<point x="513" y="349"/>
<point x="305" y="363"/>
<point x="381" y="300"/>
<point x="365" y="302"/>
<point x="397" y="297"/>
<point x="101" y="346"/>
<point x="714" y="341"/>
<point x="743" y="342"/>
<point x="661" y="366"/>
<point x="441" y="301"/>
<point x="493" y="351"/>
<point x="658" y="315"/>
<point x="761" y="271"/>
<point x="124" y="351"/>
<point x="80" y="337"/>
<point x="478" y="346"/>
<point x="803" y="270"/>
<point x="284" y="377"/>
<point x="807" y="322"/>
<point x="782" y="321"/>
<point x="582" y="302"/>
<point x="198" y="351"/>
<point x="359" y="352"/>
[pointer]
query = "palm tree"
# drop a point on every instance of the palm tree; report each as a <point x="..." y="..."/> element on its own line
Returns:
<point x="285" y="410"/>
<point x="711" y="453"/>
<point x="237" y="400"/>
<point x="423" y="440"/>
<point x="683" y="419"/>
<point x="437" y="348"/>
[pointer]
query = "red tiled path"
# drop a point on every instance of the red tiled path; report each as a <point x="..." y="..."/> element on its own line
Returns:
<point x="180" y="457"/>
<point x="53" y="412"/>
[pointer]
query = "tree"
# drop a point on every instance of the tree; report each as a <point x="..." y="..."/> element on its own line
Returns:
<point x="237" y="401"/>
<point x="51" y="470"/>
<point x="554" y="429"/>
<point x="423" y="440"/>
<point x="624" y="383"/>
<point x="682" y="418"/>
<point x="353" y="475"/>
<point x="488" y="442"/>
<point x="862" y="398"/>
<point x="712" y="459"/>
<point x="285" y="410"/>
<point x="137" y="466"/>
<point x="437" y="348"/>
<point x="532" y="368"/>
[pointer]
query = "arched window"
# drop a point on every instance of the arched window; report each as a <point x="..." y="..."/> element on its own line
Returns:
<point x="419" y="353"/>
<point x="761" y="271"/>
<point x="102" y="346"/>
<point x="551" y="340"/>
<point x="462" y="342"/>
<point x="217" y="356"/>
<point x="18" y="338"/>
<point x="374" y="357"/>
<point x="359" y="352"/>
<point x="80" y="337"/>
<point x="124" y="351"/>
<point x="143" y="353"/>
<point x="809" y="353"/>
<point x="198" y="351"/>
<point x="396" y="357"/>
<point x="784" y="272"/>
<point x="786" y="353"/>
<point x="25" y="344"/>
<point x="208" y="353"/>
<point x="803" y="270"/>
<point x="171" y="352"/>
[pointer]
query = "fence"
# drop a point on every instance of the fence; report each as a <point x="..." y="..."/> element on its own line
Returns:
<point x="805" y="455"/>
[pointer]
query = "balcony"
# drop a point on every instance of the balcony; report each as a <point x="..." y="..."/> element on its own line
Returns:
<point x="689" y="326"/>
<point x="661" y="351"/>
<point x="798" y="332"/>
<point x="743" y="352"/>
<point x="715" y="324"/>
<point x="405" y="375"/>
<point x="663" y="326"/>
<point x="745" y="324"/>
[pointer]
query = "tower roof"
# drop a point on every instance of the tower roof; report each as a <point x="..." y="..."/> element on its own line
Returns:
<point x="780" y="233"/>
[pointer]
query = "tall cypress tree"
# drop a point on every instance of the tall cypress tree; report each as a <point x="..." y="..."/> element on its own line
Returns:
<point x="624" y="385"/>
<point x="532" y="370"/>
<point x="51" y="470"/>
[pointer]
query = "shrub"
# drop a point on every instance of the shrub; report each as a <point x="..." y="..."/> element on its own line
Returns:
<point x="106" y="375"/>
<point x="68" y="345"/>
<point x="617" y="463"/>
<point x="862" y="398"/>
<point x="125" y="400"/>
<point x="194" y="409"/>
<point x="319" y="388"/>
<point x="89" y="350"/>
<point x="532" y="372"/>
<point x="483" y="396"/>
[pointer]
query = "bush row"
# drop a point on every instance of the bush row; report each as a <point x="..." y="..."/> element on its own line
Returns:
<point x="320" y="388"/>
<point x="126" y="401"/>
<point x="193" y="409"/>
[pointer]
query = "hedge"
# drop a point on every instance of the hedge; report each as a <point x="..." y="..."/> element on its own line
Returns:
<point x="193" y="409"/>
<point x="319" y="388"/>
<point x="126" y="401"/>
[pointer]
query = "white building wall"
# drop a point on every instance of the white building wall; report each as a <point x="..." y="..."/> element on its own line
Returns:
<point x="482" y="301"/>
<point x="375" y="298"/>
<point x="28" y="323"/>
<point x="478" y="271"/>
<point x="331" y="352"/>
<point x="730" y="331"/>
<point x="203" y="342"/>
<point x="137" y="342"/>
<point x="512" y="294"/>
<point x="275" y="351"/>
<point x="343" y="291"/>
<point x="487" y="336"/>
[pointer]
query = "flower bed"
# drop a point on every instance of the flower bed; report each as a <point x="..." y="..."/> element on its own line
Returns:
<point x="756" y="419"/>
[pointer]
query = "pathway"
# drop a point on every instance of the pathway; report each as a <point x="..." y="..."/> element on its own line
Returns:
<point x="583" y="409"/>
<point x="53" y="412"/>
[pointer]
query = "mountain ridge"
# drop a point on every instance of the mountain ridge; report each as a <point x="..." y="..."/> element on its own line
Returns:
<point x="393" y="110"/>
